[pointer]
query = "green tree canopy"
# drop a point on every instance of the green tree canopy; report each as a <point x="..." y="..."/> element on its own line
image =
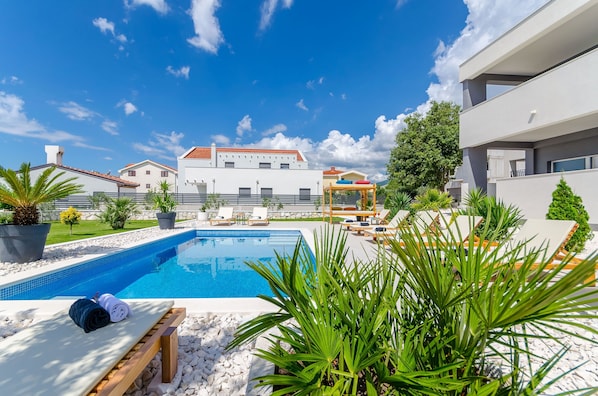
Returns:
<point x="427" y="150"/>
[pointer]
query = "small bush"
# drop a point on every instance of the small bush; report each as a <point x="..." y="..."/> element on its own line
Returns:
<point x="432" y="199"/>
<point x="566" y="205"/>
<point x="117" y="212"/>
<point x="70" y="217"/>
<point x="499" y="218"/>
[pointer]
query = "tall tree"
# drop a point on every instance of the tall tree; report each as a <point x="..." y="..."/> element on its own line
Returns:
<point x="427" y="150"/>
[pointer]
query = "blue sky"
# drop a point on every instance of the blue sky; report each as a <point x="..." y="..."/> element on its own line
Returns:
<point x="116" y="82"/>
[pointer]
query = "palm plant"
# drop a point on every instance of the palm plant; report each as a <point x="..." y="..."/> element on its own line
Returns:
<point x="414" y="321"/>
<point x="499" y="218"/>
<point x="117" y="212"/>
<point x="24" y="196"/>
<point x="163" y="200"/>
<point x="432" y="199"/>
<point x="396" y="202"/>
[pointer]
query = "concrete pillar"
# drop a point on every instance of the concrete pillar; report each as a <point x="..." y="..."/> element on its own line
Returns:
<point x="474" y="92"/>
<point x="529" y="162"/>
<point x="473" y="170"/>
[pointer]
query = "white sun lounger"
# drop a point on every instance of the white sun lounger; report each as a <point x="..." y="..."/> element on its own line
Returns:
<point x="224" y="216"/>
<point x="56" y="357"/>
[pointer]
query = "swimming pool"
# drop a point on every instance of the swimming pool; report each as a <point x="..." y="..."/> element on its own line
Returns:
<point x="194" y="264"/>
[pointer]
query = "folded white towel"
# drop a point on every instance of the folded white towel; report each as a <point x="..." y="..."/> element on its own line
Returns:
<point x="117" y="308"/>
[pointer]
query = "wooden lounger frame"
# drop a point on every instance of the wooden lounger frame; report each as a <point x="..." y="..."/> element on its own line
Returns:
<point x="162" y="336"/>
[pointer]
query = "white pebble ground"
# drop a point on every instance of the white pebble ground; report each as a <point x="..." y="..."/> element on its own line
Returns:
<point x="205" y="368"/>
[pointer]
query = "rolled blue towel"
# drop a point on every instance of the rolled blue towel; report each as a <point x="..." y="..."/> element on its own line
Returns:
<point x="89" y="315"/>
<point x="380" y="229"/>
<point x="365" y="224"/>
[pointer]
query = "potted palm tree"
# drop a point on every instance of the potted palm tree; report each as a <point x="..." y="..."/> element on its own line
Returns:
<point x="24" y="239"/>
<point x="165" y="203"/>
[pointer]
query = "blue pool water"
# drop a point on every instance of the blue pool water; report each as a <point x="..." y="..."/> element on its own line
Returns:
<point x="195" y="264"/>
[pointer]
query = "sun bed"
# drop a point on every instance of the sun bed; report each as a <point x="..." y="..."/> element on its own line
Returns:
<point x="259" y="216"/>
<point x="393" y="224"/>
<point x="224" y="216"/>
<point x="380" y="218"/>
<point x="453" y="231"/>
<point x="421" y="222"/>
<point x="549" y="237"/>
<point x="56" y="357"/>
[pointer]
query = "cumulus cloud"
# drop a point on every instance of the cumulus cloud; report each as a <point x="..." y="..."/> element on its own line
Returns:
<point x="165" y="146"/>
<point x="181" y="72"/>
<point x="128" y="107"/>
<point x="106" y="26"/>
<point x="311" y="84"/>
<point x="220" y="139"/>
<point x="301" y="105"/>
<point x="267" y="10"/>
<point x="244" y="125"/>
<point x="75" y="111"/>
<point x="208" y="35"/>
<point x="159" y="6"/>
<point x="14" y="121"/>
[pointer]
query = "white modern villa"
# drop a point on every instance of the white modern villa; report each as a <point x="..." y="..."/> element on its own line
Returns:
<point x="546" y="69"/>
<point x="247" y="172"/>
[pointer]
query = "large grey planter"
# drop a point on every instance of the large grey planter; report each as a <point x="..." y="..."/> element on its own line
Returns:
<point x="22" y="243"/>
<point x="166" y="220"/>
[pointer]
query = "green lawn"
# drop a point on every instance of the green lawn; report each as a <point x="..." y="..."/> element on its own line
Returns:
<point x="91" y="228"/>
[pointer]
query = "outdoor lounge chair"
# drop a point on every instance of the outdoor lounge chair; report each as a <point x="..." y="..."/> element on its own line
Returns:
<point x="549" y="237"/>
<point x="224" y="216"/>
<point x="421" y="222"/>
<point x="455" y="232"/>
<point x="56" y="357"/>
<point x="259" y="216"/>
<point x="393" y="224"/>
<point x="380" y="218"/>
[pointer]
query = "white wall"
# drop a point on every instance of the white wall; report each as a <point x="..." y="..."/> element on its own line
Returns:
<point x="90" y="183"/>
<point x="153" y="179"/>
<point x="228" y="181"/>
<point x="532" y="194"/>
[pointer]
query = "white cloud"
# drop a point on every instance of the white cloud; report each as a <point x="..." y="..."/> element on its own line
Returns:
<point x="182" y="72"/>
<point x="301" y="105"/>
<point x="275" y="129"/>
<point x="159" y="6"/>
<point x="311" y="84"/>
<point x="104" y="25"/>
<point x="110" y="127"/>
<point x="12" y="80"/>
<point x="244" y="125"/>
<point x="267" y="10"/>
<point x="208" y="35"/>
<point x="76" y="112"/>
<point x="122" y="38"/>
<point x="128" y="107"/>
<point x="14" y="121"/>
<point x="91" y="147"/>
<point x="164" y="146"/>
<point x="220" y="139"/>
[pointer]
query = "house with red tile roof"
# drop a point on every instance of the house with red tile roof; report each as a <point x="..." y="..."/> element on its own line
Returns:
<point x="332" y="175"/>
<point x="149" y="174"/>
<point x="93" y="182"/>
<point x="246" y="172"/>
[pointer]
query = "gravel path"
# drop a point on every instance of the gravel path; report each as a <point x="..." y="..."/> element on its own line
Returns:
<point x="205" y="368"/>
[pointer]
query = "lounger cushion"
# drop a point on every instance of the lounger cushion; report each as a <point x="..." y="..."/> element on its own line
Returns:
<point x="54" y="357"/>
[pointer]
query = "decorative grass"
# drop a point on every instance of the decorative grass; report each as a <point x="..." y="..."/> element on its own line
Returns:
<point x="91" y="228"/>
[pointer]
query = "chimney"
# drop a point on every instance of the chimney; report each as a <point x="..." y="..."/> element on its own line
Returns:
<point x="213" y="156"/>
<point x="54" y="154"/>
<point x="332" y="168"/>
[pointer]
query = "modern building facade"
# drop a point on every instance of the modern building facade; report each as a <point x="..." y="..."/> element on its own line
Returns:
<point x="546" y="68"/>
<point x="247" y="172"/>
<point x="149" y="174"/>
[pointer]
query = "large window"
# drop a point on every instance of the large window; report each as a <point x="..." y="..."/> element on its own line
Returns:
<point x="163" y="173"/>
<point x="573" y="164"/>
<point x="229" y="164"/>
<point x="285" y="166"/>
<point x="266" y="193"/>
<point x="131" y="173"/>
<point x="304" y="194"/>
<point x="265" y="165"/>
<point x="244" y="192"/>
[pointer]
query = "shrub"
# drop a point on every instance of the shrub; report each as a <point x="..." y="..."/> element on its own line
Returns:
<point x="70" y="217"/>
<point x="397" y="201"/>
<point x="414" y="321"/>
<point x="432" y="199"/>
<point x="163" y="200"/>
<point x="117" y="212"/>
<point x="566" y="205"/>
<point x="499" y="218"/>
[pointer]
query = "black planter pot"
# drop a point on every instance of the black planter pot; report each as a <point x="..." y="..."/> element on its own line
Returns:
<point x="166" y="220"/>
<point x="22" y="243"/>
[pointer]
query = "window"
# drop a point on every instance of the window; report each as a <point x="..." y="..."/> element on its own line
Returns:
<point x="163" y="173"/>
<point x="148" y="172"/>
<point x="229" y="164"/>
<point x="266" y="193"/>
<point x="244" y="192"/>
<point x="572" y="164"/>
<point x="284" y="166"/>
<point x="304" y="194"/>
<point x="265" y="165"/>
<point x="131" y="173"/>
<point x="148" y="186"/>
